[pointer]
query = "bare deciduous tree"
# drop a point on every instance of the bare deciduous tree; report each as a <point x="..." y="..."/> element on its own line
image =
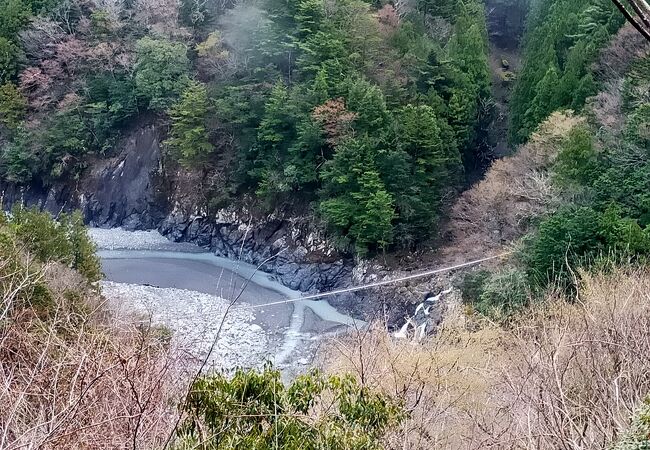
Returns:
<point x="75" y="378"/>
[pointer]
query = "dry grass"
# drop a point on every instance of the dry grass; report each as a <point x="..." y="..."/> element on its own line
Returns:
<point x="439" y="381"/>
<point x="74" y="379"/>
<point x="565" y="376"/>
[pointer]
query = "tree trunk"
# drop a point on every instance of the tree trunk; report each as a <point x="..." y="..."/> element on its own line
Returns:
<point x="638" y="23"/>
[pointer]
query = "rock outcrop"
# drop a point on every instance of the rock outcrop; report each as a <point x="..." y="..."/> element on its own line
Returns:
<point x="126" y="190"/>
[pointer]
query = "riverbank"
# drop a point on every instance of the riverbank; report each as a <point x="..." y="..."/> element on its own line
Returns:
<point x="187" y="290"/>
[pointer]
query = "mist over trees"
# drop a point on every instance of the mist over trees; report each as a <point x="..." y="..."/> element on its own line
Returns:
<point x="292" y="87"/>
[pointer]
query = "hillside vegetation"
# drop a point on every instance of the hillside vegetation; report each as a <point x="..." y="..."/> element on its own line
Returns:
<point x="564" y="374"/>
<point x="366" y="114"/>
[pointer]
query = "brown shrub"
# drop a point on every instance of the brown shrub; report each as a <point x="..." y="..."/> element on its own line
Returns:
<point x="335" y="119"/>
<point x="438" y="381"/>
<point x="577" y="371"/>
<point x="76" y="379"/>
<point x="388" y="20"/>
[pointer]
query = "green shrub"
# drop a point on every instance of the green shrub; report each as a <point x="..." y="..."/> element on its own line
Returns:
<point x="638" y="436"/>
<point x="577" y="161"/>
<point x="189" y="135"/>
<point x="19" y="278"/>
<point x="503" y="294"/>
<point x="64" y="142"/>
<point x="13" y="106"/>
<point x="84" y="257"/>
<point x="472" y="284"/>
<point x="255" y="410"/>
<point x="562" y="238"/>
<point x="110" y="104"/>
<point x="15" y="16"/>
<point x="496" y="295"/>
<point x="65" y="241"/>
<point x="10" y="55"/>
<point x="161" y="71"/>
<point x="638" y="127"/>
<point x="19" y="163"/>
<point x="626" y="186"/>
<point x="576" y="237"/>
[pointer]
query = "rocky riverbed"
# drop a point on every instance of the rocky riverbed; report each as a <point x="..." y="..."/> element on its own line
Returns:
<point x="193" y="320"/>
<point x="188" y="290"/>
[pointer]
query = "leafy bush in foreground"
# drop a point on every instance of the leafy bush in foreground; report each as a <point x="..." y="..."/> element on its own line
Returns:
<point x="638" y="437"/>
<point x="65" y="241"/>
<point x="255" y="410"/>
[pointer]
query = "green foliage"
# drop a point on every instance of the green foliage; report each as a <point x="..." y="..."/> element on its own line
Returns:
<point x="503" y="294"/>
<point x="255" y="410"/>
<point x="563" y="40"/>
<point x="194" y="14"/>
<point x="115" y="95"/>
<point x="13" y="106"/>
<point x="14" y="273"/>
<point x="59" y="147"/>
<point x="84" y="257"/>
<point x="100" y="22"/>
<point x="577" y="162"/>
<point x="29" y="239"/>
<point x="110" y="103"/>
<point x="275" y="135"/>
<point x="367" y="100"/>
<point x="10" y="55"/>
<point x="605" y="175"/>
<point x="637" y="437"/>
<point x="456" y="79"/>
<point x="19" y="163"/>
<point x="356" y="202"/>
<point x="471" y="285"/>
<point x="638" y="126"/>
<point x="496" y="295"/>
<point x="15" y="16"/>
<point x="161" y="71"/>
<point x="65" y="241"/>
<point x="577" y="236"/>
<point x="435" y="168"/>
<point x="189" y="136"/>
<point x="64" y="142"/>
<point x="447" y="9"/>
<point x="410" y="157"/>
<point x="412" y="100"/>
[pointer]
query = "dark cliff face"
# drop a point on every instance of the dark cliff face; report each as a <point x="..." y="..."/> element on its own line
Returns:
<point x="506" y="21"/>
<point x="126" y="190"/>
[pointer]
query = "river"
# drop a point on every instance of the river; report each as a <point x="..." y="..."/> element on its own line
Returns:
<point x="188" y="290"/>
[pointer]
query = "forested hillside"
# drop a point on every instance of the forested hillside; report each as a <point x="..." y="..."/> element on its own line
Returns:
<point x="365" y="114"/>
<point x="563" y="41"/>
